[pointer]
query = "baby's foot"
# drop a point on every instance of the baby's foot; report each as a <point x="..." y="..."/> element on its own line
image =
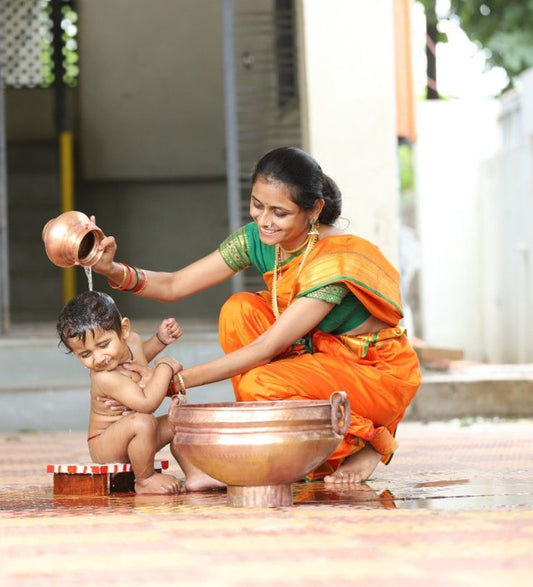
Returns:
<point x="197" y="480"/>
<point x="158" y="483"/>
<point x="356" y="468"/>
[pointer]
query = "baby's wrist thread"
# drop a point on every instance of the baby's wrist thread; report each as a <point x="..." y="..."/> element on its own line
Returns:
<point x="159" y="339"/>
<point x="168" y="365"/>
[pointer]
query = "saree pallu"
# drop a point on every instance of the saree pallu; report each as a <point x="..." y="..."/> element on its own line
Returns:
<point x="379" y="371"/>
<point x="347" y="259"/>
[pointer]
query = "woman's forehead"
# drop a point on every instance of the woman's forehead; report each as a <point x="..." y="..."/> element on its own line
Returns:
<point x="273" y="193"/>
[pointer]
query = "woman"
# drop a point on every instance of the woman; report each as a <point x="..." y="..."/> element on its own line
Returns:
<point x="328" y="320"/>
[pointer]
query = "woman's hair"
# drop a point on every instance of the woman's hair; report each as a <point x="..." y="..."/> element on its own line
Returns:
<point x="305" y="179"/>
<point x="88" y="312"/>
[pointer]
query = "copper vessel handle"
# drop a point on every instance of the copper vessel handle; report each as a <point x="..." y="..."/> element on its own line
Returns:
<point x="340" y="412"/>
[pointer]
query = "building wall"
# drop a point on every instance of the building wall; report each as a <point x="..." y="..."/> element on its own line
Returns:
<point x="349" y="106"/>
<point x="151" y="128"/>
<point x="151" y="99"/>
<point x="148" y="121"/>
<point x="507" y="189"/>
<point x="474" y="193"/>
<point x="459" y="254"/>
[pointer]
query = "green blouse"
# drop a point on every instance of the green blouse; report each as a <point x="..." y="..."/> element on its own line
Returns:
<point x="244" y="249"/>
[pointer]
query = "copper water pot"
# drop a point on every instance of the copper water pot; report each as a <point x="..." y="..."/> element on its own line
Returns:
<point x="259" y="448"/>
<point x="72" y="239"/>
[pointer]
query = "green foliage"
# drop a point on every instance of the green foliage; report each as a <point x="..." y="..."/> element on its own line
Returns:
<point x="432" y="20"/>
<point x="69" y="44"/>
<point x="503" y="27"/>
<point x="405" y="158"/>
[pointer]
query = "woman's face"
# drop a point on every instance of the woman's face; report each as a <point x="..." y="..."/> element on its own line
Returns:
<point x="279" y="219"/>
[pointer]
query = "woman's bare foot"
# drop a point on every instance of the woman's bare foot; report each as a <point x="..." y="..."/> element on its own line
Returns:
<point x="197" y="480"/>
<point x="158" y="483"/>
<point x="356" y="468"/>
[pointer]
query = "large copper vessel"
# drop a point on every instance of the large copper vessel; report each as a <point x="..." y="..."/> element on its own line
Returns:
<point x="72" y="239"/>
<point x="258" y="449"/>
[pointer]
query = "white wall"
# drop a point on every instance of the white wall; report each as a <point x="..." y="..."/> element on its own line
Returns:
<point x="347" y="88"/>
<point x="454" y="138"/>
<point x="508" y="207"/>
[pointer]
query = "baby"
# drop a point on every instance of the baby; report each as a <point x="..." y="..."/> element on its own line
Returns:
<point x="91" y="327"/>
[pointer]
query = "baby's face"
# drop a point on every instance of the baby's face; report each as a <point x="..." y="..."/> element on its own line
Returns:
<point x="104" y="350"/>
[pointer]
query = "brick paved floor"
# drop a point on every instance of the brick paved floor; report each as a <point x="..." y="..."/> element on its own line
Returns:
<point x="454" y="507"/>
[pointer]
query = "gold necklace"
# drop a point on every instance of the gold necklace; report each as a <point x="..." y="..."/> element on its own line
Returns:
<point x="311" y="240"/>
<point x="296" y="249"/>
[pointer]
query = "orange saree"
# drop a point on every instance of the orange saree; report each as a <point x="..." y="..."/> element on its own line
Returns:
<point x="379" y="372"/>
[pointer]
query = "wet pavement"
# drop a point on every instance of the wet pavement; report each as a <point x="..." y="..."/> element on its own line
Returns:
<point x="454" y="507"/>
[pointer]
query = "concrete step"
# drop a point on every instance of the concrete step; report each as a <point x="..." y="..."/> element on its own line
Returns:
<point x="30" y="358"/>
<point x="43" y="388"/>
<point x="475" y="391"/>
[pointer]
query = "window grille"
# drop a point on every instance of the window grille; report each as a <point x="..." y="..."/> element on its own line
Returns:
<point x="262" y="98"/>
<point x="26" y="37"/>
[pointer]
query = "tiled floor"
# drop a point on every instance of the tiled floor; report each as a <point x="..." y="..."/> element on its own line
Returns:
<point x="454" y="507"/>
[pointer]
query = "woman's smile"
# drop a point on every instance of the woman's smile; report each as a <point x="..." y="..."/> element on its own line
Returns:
<point x="279" y="219"/>
<point x="267" y="231"/>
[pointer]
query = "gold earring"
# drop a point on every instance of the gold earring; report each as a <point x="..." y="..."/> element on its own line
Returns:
<point x="313" y="229"/>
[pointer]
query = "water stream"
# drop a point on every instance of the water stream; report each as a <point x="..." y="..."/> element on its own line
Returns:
<point x="89" y="274"/>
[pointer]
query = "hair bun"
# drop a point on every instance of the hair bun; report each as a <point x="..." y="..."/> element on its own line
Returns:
<point x="333" y="200"/>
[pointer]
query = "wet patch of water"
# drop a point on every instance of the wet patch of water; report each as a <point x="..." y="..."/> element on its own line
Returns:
<point x="452" y="494"/>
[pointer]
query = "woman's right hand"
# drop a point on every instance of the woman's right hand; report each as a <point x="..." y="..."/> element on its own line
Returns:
<point x="108" y="246"/>
<point x="104" y="266"/>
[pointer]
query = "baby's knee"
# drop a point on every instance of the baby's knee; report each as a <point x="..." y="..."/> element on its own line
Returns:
<point x="144" y="423"/>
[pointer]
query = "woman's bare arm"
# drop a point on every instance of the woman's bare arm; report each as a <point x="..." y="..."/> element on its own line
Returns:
<point x="300" y="318"/>
<point x="168" y="286"/>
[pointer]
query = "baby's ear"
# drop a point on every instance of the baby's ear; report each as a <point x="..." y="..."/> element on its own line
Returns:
<point x="126" y="327"/>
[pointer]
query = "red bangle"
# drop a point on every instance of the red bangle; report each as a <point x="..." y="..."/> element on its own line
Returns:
<point x="142" y="281"/>
<point x="172" y="390"/>
<point x="128" y="279"/>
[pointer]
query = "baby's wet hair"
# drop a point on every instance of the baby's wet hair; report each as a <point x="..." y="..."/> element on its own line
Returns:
<point x="88" y="312"/>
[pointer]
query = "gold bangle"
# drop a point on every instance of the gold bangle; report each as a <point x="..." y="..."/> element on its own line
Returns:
<point x="141" y="289"/>
<point x="183" y="389"/>
<point x="123" y="280"/>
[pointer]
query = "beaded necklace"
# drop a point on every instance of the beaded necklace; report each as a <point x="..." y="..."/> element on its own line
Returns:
<point x="276" y="275"/>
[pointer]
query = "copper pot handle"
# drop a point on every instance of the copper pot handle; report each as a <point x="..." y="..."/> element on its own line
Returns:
<point x="340" y="412"/>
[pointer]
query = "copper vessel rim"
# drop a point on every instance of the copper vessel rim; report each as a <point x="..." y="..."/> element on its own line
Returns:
<point x="267" y="405"/>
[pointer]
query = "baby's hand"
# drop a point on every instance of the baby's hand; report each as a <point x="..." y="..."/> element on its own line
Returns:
<point x="169" y="331"/>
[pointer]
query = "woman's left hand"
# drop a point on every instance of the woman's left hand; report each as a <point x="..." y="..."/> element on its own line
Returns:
<point x="144" y="371"/>
<point x="115" y="407"/>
